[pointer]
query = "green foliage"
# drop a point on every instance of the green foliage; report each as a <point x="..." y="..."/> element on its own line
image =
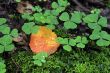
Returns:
<point x="62" y="62"/>
<point x="40" y="58"/>
<point x="7" y="37"/>
<point x="59" y="6"/>
<point x="64" y="16"/>
<point x="102" y="37"/>
<point x="94" y="21"/>
<point x="30" y="27"/>
<point x="63" y="3"/>
<point x="14" y="33"/>
<point x="68" y="43"/>
<point x="2" y="66"/>
<point x="71" y="23"/>
<point x="67" y="47"/>
<point x="43" y="17"/>
<point x="2" y="21"/>
<point x="97" y="11"/>
<point x="6" y="43"/>
<point x="65" y="43"/>
<point x="91" y="18"/>
<point x="76" y="61"/>
<point x="27" y="16"/>
<point x="76" y="17"/>
<point x="18" y="0"/>
<point x="83" y="68"/>
<point x="50" y="26"/>
<point x="81" y="41"/>
<point x="37" y="8"/>
<point x="54" y="5"/>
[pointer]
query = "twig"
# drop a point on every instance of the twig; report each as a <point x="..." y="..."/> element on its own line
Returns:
<point x="80" y="5"/>
<point x="10" y="1"/>
<point x="16" y="65"/>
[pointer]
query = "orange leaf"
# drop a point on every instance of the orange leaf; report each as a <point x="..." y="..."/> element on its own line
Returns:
<point x="44" y="41"/>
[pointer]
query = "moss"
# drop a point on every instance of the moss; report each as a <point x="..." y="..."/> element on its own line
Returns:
<point x="62" y="62"/>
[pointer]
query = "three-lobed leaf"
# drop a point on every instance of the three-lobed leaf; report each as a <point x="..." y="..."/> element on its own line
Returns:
<point x="2" y="21"/>
<point x="9" y="47"/>
<point x="63" y="3"/>
<point x="67" y="48"/>
<point x="54" y="5"/>
<point x="102" y="42"/>
<point x="69" y="25"/>
<point x="14" y="33"/>
<point x="103" y="21"/>
<point x="80" y="45"/>
<point x="6" y="40"/>
<point x="27" y="27"/>
<point x="40" y="58"/>
<point x="91" y="18"/>
<point x="62" y="40"/>
<point x="2" y="49"/>
<point x="64" y="16"/>
<point x="72" y="42"/>
<point x="76" y="17"/>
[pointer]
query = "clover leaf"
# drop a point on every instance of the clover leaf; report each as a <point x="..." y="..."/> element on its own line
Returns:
<point x="2" y="49"/>
<point x="84" y="40"/>
<point x="69" y="25"/>
<point x="37" y="8"/>
<point x="27" y="27"/>
<point x="72" y="42"/>
<point x="54" y="5"/>
<point x="64" y="16"/>
<point x="6" y="43"/>
<point x="51" y="20"/>
<point x="2" y="67"/>
<point x="2" y="21"/>
<point x="80" y="45"/>
<point x="55" y="12"/>
<point x="50" y="26"/>
<point x="78" y="39"/>
<point x="30" y="27"/>
<point x="18" y="0"/>
<point x="97" y="11"/>
<point x="9" y="47"/>
<point x="91" y="18"/>
<point x="6" y="40"/>
<point x="81" y="41"/>
<point x="14" y="33"/>
<point x="27" y="16"/>
<point x="67" y="48"/>
<point x="105" y="35"/>
<point x="94" y="21"/>
<point x="60" y="9"/>
<point x="102" y="42"/>
<point x="102" y="37"/>
<point x="94" y="26"/>
<point x="95" y="35"/>
<point x="103" y="21"/>
<point x="39" y="17"/>
<point x="6" y="30"/>
<point x="40" y="58"/>
<point x="76" y="17"/>
<point x="47" y="12"/>
<point x="63" y="2"/>
<point x="62" y="40"/>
